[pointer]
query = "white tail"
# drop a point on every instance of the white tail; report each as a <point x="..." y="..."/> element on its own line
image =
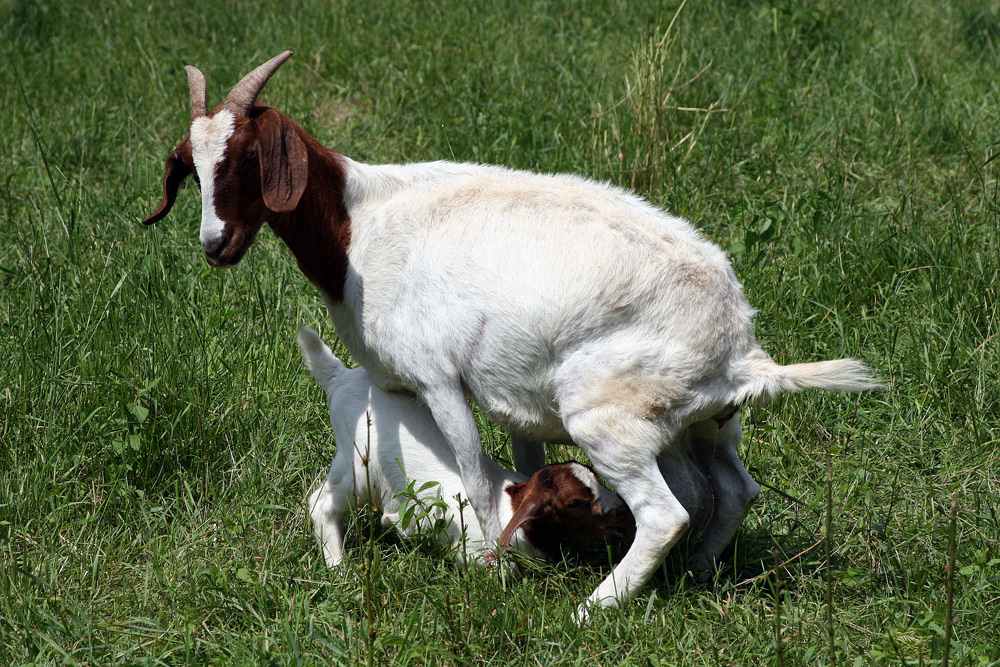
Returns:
<point x="765" y="379"/>
<point x="320" y="359"/>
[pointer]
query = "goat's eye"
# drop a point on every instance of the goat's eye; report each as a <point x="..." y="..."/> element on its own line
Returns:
<point x="248" y="159"/>
<point x="576" y="504"/>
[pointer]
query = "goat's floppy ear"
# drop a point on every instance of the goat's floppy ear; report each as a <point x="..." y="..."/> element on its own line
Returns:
<point x="530" y="508"/>
<point x="177" y="170"/>
<point x="284" y="162"/>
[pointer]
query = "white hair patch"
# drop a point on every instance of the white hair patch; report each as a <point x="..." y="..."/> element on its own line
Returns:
<point x="209" y="137"/>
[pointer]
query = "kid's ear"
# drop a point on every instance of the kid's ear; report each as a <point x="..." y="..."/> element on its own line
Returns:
<point x="284" y="162"/>
<point x="177" y="169"/>
<point x="529" y="509"/>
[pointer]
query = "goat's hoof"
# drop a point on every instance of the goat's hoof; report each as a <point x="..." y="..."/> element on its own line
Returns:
<point x="704" y="579"/>
<point x="703" y="571"/>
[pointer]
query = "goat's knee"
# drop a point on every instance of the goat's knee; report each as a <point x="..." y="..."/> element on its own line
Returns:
<point x="661" y="530"/>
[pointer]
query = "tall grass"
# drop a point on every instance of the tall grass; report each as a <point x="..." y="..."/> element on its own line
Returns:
<point x="158" y="432"/>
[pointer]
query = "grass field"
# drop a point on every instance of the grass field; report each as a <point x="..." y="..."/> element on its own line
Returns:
<point x="158" y="431"/>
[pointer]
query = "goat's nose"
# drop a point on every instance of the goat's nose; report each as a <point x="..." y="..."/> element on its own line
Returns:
<point x="214" y="246"/>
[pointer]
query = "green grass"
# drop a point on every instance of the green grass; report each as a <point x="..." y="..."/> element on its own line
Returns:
<point x="158" y="432"/>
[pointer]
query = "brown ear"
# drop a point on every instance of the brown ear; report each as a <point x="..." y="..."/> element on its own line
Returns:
<point x="531" y="507"/>
<point x="176" y="171"/>
<point x="526" y="512"/>
<point x="284" y="162"/>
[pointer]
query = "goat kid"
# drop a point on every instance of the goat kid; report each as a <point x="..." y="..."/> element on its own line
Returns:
<point x="388" y="444"/>
<point x="570" y="311"/>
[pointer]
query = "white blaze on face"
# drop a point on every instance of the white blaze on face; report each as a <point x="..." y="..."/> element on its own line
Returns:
<point x="209" y="136"/>
<point x="609" y="500"/>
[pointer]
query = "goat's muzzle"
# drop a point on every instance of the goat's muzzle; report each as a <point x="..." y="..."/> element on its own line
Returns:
<point x="215" y="248"/>
<point x="228" y="250"/>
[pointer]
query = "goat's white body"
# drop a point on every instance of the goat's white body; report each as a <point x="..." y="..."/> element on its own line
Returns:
<point x="507" y="260"/>
<point x="570" y="311"/>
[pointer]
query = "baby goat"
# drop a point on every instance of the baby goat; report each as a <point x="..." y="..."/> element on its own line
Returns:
<point x="570" y="311"/>
<point x="388" y="447"/>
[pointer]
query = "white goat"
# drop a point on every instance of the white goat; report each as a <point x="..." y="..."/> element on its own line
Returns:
<point x="570" y="311"/>
<point x="389" y="448"/>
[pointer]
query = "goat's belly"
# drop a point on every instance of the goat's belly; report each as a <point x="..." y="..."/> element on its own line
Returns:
<point x="549" y="430"/>
<point x="520" y="401"/>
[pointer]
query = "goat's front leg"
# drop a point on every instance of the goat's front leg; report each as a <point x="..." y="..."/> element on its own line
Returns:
<point x="454" y="417"/>
<point x="529" y="455"/>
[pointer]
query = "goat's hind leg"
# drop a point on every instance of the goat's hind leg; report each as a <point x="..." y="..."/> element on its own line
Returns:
<point x="690" y="484"/>
<point x="717" y="452"/>
<point x="624" y="450"/>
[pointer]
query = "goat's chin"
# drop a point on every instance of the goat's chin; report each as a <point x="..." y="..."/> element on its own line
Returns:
<point x="218" y="263"/>
<point x="225" y="260"/>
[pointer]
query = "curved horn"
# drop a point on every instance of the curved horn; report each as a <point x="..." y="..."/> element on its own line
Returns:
<point x="199" y="98"/>
<point x="246" y="91"/>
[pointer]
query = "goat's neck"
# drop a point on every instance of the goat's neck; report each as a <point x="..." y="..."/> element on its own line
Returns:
<point x="318" y="231"/>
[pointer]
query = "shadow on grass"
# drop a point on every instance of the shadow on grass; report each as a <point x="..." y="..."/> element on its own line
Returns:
<point x="752" y="558"/>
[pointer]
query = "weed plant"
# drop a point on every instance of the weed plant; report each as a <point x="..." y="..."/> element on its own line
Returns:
<point x="159" y="432"/>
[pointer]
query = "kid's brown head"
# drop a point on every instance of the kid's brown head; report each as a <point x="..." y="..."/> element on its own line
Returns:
<point x="563" y="503"/>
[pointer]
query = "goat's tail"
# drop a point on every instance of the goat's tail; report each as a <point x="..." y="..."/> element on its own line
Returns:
<point x="764" y="379"/>
<point x="322" y="363"/>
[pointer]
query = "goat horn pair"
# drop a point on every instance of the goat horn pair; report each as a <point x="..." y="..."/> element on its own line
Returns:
<point x="243" y="94"/>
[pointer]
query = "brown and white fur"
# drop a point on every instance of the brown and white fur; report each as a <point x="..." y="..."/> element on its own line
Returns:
<point x="389" y="449"/>
<point x="569" y="310"/>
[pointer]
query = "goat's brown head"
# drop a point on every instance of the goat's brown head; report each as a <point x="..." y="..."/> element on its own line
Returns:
<point x="248" y="159"/>
<point x="565" y="502"/>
